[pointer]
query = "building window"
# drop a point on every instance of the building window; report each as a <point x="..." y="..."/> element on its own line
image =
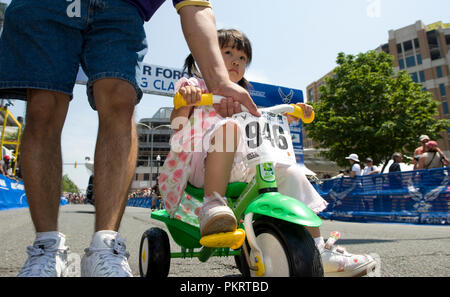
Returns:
<point x="422" y="76"/>
<point x="445" y="107"/>
<point x="414" y="77"/>
<point x="402" y="64"/>
<point x="442" y="89"/>
<point x="407" y="45"/>
<point x="410" y="61"/>
<point x="311" y="95"/>
<point x="146" y="176"/>
<point x="433" y="43"/>
<point x="447" y="38"/>
<point x="419" y="59"/>
<point x="416" y="43"/>
<point x="399" y="48"/>
<point x="439" y="71"/>
<point x="143" y="138"/>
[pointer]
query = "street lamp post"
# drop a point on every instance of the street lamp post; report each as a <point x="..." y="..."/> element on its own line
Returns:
<point x="158" y="159"/>
<point x="151" y="144"/>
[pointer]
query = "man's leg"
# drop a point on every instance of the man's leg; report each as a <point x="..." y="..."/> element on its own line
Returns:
<point x="41" y="156"/>
<point x="116" y="150"/>
<point x="41" y="169"/>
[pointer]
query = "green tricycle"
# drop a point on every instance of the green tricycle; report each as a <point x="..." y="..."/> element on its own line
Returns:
<point x="271" y="239"/>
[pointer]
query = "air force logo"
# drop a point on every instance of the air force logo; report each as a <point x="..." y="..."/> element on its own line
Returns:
<point x="286" y="98"/>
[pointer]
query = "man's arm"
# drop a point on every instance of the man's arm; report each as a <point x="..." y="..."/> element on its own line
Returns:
<point x="199" y="28"/>
<point x="446" y="160"/>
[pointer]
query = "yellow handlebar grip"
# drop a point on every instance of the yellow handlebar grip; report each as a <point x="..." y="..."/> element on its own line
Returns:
<point x="178" y="100"/>
<point x="298" y="113"/>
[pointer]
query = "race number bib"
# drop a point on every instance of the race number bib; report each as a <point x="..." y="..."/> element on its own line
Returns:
<point x="268" y="138"/>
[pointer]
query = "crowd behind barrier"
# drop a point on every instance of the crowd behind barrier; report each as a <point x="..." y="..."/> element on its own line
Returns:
<point x="146" y="198"/>
<point x="146" y="202"/>
<point x="418" y="196"/>
<point x="75" y="198"/>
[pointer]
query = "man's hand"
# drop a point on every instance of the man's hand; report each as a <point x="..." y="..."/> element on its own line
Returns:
<point x="235" y="96"/>
<point x="307" y="112"/>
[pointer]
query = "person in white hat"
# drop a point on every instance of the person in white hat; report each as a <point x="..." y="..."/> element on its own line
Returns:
<point x="423" y="139"/>
<point x="354" y="162"/>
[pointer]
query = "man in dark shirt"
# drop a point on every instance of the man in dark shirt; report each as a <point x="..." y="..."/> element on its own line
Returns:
<point x="397" y="158"/>
<point x="41" y="47"/>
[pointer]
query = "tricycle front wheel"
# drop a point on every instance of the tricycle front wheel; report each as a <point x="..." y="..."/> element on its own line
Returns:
<point x="288" y="250"/>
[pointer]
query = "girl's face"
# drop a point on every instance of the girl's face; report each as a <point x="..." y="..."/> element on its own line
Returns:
<point x="235" y="61"/>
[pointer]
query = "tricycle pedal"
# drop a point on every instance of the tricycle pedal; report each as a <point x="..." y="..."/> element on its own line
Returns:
<point x="232" y="240"/>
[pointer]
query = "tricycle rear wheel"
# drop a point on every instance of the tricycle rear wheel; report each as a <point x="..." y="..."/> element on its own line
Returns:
<point x="154" y="254"/>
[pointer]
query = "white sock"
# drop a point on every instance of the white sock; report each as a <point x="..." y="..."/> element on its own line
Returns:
<point x="105" y="232"/>
<point x="99" y="236"/>
<point x="50" y="234"/>
<point x="52" y="239"/>
<point x="320" y="243"/>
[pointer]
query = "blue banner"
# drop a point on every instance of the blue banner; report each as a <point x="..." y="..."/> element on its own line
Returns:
<point x="419" y="197"/>
<point x="160" y="80"/>
<point x="12" y="194"/>
<point x="270" y="95"/>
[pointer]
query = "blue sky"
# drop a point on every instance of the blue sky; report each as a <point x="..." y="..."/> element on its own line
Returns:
<point x="295" y="42"/>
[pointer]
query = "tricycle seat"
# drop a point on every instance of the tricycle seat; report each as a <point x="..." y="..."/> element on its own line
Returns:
<point x="234" y="190"/>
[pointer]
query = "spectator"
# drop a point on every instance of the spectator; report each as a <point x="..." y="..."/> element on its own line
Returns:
<point x="431" y="158"/>
<point x="397" y="158"/>
<point x="395" y="179"/>
<point x="421" y="149"/>
<point x="5" y="167"/>
<point x="354" y="162"/>
<point x="370" y="168"/>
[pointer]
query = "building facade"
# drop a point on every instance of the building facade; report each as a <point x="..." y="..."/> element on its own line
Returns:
<point x="423" y="51"/>
<point x="153" y="138"/>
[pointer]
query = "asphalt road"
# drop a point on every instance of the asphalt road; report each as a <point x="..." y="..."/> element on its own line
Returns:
<point x="403" y="250"/>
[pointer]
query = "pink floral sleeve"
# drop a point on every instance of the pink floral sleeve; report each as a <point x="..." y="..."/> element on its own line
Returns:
<point x="192" y="81"/>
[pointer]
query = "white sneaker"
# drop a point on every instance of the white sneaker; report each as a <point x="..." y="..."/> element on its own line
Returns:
<point x="47" y="257"/>
<point x="216" y="217"/>
<point x="106" y="257"/>
<point x="338" y="262"/>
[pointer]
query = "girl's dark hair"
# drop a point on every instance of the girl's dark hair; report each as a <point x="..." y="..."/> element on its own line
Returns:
<point x="227" y="37"/>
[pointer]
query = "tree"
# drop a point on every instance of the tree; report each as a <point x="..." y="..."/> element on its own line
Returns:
<point x="68" y="185"/>
<point x="366" y="109"/>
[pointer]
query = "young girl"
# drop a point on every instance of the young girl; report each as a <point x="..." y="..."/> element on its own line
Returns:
<point x="205" y="158"/>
